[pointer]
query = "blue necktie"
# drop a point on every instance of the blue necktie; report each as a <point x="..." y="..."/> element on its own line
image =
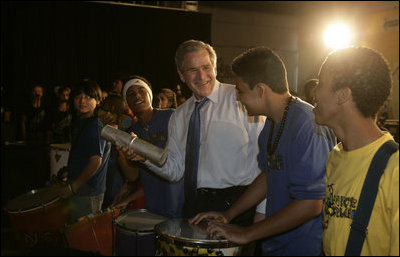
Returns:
<point x="192" y="152"/>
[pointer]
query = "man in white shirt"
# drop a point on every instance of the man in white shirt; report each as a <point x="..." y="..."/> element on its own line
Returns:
<point x="227" y="159"/>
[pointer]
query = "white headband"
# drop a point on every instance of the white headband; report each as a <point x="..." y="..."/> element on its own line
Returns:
<point x="136" y="82"/>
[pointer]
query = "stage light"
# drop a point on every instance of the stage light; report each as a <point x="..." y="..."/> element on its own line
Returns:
<point x="337" y="36"/>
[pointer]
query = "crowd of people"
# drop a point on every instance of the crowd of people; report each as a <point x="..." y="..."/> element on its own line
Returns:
<point x="256" y="162"/>
<point x="47" y="117"/>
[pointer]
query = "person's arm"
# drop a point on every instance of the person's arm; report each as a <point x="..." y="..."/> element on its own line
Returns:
<point x="254" y="194"/>
<point x="291" y="216"/>
<point x="173" y="169"/>
<point x="128" y="168"/>
<point x="126" y="199"/>
<point x="90" y="169"/>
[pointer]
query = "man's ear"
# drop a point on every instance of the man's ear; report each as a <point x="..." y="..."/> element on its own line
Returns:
<point x="343" y="95"/>
<point x="261" y="89"/>
<point x="181" y="75"/>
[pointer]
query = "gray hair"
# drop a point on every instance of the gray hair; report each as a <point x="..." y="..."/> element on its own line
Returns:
<point x="193" y="46"/>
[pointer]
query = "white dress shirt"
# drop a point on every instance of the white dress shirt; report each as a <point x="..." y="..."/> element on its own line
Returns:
<point x="228" y="141"/>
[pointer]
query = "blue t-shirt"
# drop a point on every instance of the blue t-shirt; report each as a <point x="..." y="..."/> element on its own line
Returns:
<point x="303" y="149"/>
<point x="162" y="197"/>
<point x="87" y="142"/>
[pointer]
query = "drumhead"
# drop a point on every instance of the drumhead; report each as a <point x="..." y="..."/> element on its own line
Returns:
<point x="180" y="232"/>
<point x="32" y="200"/>
<point x="140" y="220"/>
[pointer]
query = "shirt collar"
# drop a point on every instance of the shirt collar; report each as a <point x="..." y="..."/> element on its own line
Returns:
<point x="213" y="96"/>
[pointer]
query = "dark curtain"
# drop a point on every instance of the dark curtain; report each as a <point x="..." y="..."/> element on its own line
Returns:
<point x="58" y="43"/>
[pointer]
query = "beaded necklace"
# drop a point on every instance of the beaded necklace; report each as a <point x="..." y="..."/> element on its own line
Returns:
<point x="275" y="161"/>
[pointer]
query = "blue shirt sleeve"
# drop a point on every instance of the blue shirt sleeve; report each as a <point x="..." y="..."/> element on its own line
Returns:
<point x="307" y="162"/>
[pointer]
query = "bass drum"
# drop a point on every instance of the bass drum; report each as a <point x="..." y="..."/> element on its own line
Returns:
<point x="38" y="216"/>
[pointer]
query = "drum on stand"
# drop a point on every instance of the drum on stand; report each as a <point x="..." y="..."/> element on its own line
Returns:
<point x="59" y="154"/>
<point x="177" y="237"/>
<point x="93" y="233"/>
<point x="38" y="216"/>
<point x="135" y="233"/>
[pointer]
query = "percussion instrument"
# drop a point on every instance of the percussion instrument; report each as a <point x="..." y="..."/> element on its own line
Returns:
<point x="93" y="233"/>
<point x="135" y="233"/>
<point x="38" y="216"/>
<point x="151" y="152"/>
<point x="177" y="237"/>
<point x="59" y="154"/>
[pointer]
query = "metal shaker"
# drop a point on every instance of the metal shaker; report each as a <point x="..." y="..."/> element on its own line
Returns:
<point x="151" y="152"/>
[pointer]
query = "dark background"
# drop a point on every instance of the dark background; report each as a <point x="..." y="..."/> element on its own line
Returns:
<point x="59" y="43"/>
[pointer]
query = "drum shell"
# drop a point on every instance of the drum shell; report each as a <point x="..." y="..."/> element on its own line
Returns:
<point x="38" y="217"/>
<point x="38" y="210"/>
<point x="134" y="244"/>
<point x="50" y="217"/>
<point x="93" y="233"/>
<point x="138" y="241"/>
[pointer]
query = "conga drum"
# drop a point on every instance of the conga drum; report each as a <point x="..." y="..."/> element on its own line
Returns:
<point x="38" y="216"/>
<point x="135" y="233"/>
<point x="93" y="233"/>
<point x="177" y="237"/>
<point x="59" y="154"/>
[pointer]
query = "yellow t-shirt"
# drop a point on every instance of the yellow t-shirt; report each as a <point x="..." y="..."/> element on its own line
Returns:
<point x="346" y="172"/>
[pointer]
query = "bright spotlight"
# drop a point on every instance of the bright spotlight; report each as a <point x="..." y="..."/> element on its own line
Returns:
<point x="337" y="36"/>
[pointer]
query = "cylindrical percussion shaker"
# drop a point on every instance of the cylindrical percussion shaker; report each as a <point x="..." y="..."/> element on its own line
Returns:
<point x="154" y="153"/>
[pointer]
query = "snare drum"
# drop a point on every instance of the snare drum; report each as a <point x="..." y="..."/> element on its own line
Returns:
<point x="135" y="233"/>
<point x="59" y="154"/>
<point x="177" y="237"/>
<point x="93" y="233"/>
<point x="38" y="216"/>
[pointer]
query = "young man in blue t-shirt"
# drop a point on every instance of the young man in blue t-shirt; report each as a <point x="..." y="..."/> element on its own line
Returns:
<point x="293" y="152"/>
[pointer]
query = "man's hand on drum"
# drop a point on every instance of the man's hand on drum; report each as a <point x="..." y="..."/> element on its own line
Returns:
<point x="212" y="215"/>
<point x="233" y="233"/>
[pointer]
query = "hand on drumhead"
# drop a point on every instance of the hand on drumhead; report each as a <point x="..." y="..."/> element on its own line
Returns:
<point x="233" y="233"/>
<point x="199" y="228"/>
<point x="212" y="215"/>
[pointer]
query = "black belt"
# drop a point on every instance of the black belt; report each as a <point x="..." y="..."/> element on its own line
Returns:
<point x="221" y="191"/>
